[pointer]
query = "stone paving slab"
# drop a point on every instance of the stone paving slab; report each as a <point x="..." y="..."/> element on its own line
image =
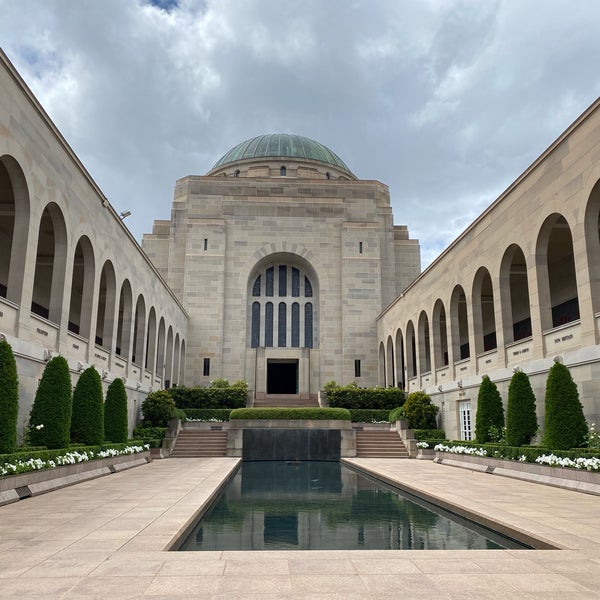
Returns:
<point x="106" y="539"/>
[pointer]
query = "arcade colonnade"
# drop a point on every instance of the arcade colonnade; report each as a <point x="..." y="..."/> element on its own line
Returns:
<point x="518" y="289"/>
<point x="73" y="280"/>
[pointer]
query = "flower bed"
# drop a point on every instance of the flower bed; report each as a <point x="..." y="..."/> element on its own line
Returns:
<point x="36" y="476"/>
<point x="582" y="474"/>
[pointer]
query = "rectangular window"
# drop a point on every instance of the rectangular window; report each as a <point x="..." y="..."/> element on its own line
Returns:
<point x="295" y="282"/>
<point x="464" y="409"/>
<point x="281" y="325"/>
<point x="357" y="368"/>
<point x="282" y="280"/>
<point x="206" y="369"/>
<point x="205" y="244"/>
<point x="360" y="247"/>
<point x="269" y="284"/>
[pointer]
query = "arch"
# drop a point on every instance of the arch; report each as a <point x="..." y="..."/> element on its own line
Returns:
<point x="176" y="358"/>
<point x="151" y="340"/>
<point x="400" y="364"/>
<point x="14" y="228"/>
<point x="440" y="335"/>
<point x="124" y="320"/>
<point x="390" y="362"/>
<point x="107" y="293"/>
<point x="557" y="283"/>
<point x="50" y="265"/>
<point x="160" y="348"/>
<point x="592" y="242"/>
<point x="290" y="321"/>
<point x="382" y="381"/>
<point x="514" y="294"/>
<point x="139" y="331"/>
<point x="459" y="324"/>
<point x="182" y="364"/>
<point x="169" y="358"/>
<point x="411" y="350"/>
<point x="282" y="171"/>
<point x="82" y="288"/>
<point x="484" y="316"/>
<point x="424" y="343"/>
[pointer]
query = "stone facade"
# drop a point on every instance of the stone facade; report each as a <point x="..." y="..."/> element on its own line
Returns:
<point x="316" y="221"/>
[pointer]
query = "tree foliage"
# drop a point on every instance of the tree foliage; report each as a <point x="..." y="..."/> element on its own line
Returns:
<point x="490" y="412"/>
<point x="419" y="412"/>
<point x="87" y="421"/>
<point x="565" y="424"/>
<point x="521" y="418"/>
<point x="9" y="399"/>
<point x="115" y="412"/>
<point x="50" y="417"/>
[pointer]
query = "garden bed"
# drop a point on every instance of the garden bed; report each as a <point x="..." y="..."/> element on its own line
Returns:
<point x="33" y="483"/>
<point x="573" y="479"/>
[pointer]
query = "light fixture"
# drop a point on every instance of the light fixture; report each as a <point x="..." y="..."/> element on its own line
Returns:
<point x="125" y="214"/>
<point x="459" y="383"/>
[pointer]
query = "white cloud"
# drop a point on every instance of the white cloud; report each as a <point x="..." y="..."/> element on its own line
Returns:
<point x="447" y="102"/>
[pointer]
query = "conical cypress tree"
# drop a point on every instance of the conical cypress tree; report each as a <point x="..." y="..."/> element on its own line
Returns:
<point x="565" y="424"/>
<point x="115" y="412"/>
<point x="521" y="420"/>
<point x="9" y="399"/>
<point x="87" y="423"/>
<point x="490" y="412"/>
<point x="51" y="410"/>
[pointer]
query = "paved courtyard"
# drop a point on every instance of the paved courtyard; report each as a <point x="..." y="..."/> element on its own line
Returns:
<point x="105" y="539"/>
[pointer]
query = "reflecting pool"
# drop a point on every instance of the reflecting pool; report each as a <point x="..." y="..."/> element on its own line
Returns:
<point x="278" y="505"/>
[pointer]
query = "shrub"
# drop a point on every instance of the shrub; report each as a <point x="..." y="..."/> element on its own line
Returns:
<point x="87" y="419"/>
<point x="208" y="414"/>
<point x="291" y="413"/>
<point x="396" y="414"/>
<point x="565" y="424"/>
<point x="216" y="396"/>
<point x="429" y="434"/>
<point x="115" y="412"/>
<point x="9" y="399"/>
<point x="150" y="435"/>
<point x="50" y="417"/>
<point x="490" y="412"/>
<point x="419" y="412"/>
<point x="368" y="415"/>
<point x="158" y="408"/>
<point x="351" y="396"/>
<point x="521" y="420"/>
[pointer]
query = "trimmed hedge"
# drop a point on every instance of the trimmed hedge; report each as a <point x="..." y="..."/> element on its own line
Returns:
<point x="150" y="435"/>
<point x="351" y="396"/>
<point x="306" y="414"/>
<point x="158" y="409"/>
<point x="419" y="412"/>
<point x="115" y="412"/>
<point x="216" y="396"/>
<point x="51" y="410"/>
<point x="565" y="424"/>
<point x="521" y="419"/>
<point x="87" y="418"/>
<point x="9" y="398"/>
<point x="206" y="414"/>
<point x="368" y="415"/>
<point x="490" y="411"/>
<point x="429" y="434"/>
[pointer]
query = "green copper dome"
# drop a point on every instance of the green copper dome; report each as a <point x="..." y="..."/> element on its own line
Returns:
<point x="282" y="145"/>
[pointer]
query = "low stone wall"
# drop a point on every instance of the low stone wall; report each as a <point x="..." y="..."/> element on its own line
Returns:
<point x="347" y="436"/>
<point x="572" y="479"/>
<point x="33" y="483"/>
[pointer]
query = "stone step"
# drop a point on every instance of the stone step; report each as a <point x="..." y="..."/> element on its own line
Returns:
<point x="380" y="444"/>
<point x="194" y="443"/>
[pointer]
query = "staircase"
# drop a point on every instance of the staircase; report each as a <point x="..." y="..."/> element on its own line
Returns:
<point x="196" y="443"/>
<point x="378" y="443"/>
<point x="286" y="401"/>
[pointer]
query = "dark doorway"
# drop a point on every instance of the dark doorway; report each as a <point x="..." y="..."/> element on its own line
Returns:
<point x="282" y="377"/>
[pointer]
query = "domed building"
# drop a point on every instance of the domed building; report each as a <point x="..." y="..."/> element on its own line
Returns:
<point x="283" y="259"/>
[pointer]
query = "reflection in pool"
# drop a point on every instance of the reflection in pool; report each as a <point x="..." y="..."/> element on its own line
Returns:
<point x="275" y="505"/>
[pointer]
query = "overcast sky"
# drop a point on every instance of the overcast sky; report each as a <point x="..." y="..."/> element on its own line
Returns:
<point x="445" y="101"/>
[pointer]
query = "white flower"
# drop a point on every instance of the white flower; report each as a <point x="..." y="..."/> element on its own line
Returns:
<point x="422" y="445"/>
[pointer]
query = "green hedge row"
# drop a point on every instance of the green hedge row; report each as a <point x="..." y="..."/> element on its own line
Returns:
<point x="368" y="415"/>
<point x="429" y="434"/>
<point x="320" y="414"/>
<point x="231" y="396"/>
<point x="351" y="396"/>
<point x="207" y="414"/>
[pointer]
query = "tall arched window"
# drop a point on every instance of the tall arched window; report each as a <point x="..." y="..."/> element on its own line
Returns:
<point x="290" y="323"/>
